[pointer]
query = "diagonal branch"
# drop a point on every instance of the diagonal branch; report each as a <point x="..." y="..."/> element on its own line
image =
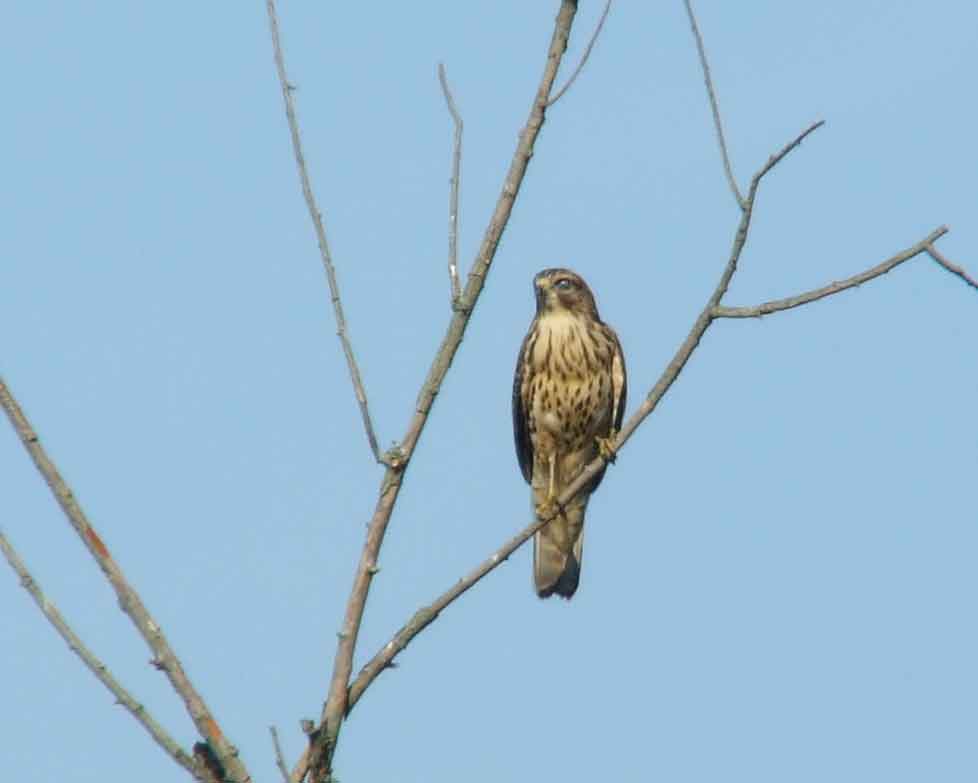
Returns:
<point x="456" y="288"/>
<point x="421" y="619"/>
<point x="714" y="106"/>
<point x="584" y="57"/>
<point x="777" y="305"/>
<point x="777" y="157"/>
<point x="954" y="269"/>
<point x="317" y="221"/>
<point x="129" y="601"/>
<point x="319" y="760"/>
<point x="425" y="616"/>
<point x="92" y="663"/>
<point x="384" y="658"/>
<point x="301" y="766"/>
<point x="279" y="756"/>
<point x="428" y="614"/>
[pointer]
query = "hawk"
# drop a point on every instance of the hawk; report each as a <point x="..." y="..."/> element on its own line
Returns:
<point x="568" y="402"/>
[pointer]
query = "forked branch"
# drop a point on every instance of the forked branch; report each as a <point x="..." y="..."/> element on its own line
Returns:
<point x="923" y="246"/>
<point x="711" y="311"/>
<point x="584" y="57"/>
<point x="129" y="601"/>
<point x="319" y="759"/>
<point x="425" y="616"/>
<point x="317" y="222"/>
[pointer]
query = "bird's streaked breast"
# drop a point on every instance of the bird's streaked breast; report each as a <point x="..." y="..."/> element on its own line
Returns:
<point x="568" y="388"/>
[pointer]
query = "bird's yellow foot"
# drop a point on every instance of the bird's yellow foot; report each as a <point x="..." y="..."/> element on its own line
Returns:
<point x="548" y="508"/>
<point x="605" y="446"/>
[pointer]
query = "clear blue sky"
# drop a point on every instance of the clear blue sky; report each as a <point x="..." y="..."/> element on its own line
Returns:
<point x="779" y="581"/>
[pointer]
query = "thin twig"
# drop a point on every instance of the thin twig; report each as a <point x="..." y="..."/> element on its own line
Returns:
<point x="587" y="53"/>
<point x="954" y="269"/>
<point x="456" y="288"/>
<point x="317" y="221"/>
<point x="129" y="601"/>
<point x="319" y="760"/>
<point x="778" y="305"/>
<point x="777" y="157"/>
<point x="279" y="756"/>
<point x="92" y="663"/>
<point x="714" y="106"/>
<point x="424" y="617"/>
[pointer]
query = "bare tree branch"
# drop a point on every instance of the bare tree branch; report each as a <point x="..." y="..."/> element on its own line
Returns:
<point x="129" y="601"/>
<point x="456" y="287"/>
<point x="584" y="57"/>
<point x="279" y="756"/>
<point x="421" y="619"/>
<point x="319" y="760"/>
<point x="217" y="753"/>
<point x="426" y="615"/>
<point x="317" y="221"/>
<point x="777" y="157"/>
<point x="954" y="269"/>
<point x="766" y="308"/>
<point x="92" y="663"/>
<point x="714" y="106"/>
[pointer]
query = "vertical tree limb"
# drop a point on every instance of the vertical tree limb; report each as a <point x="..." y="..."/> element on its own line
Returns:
<point x="319" y="760"/>
<point x="456" y="288"/>
<point x="279" y="756"/>
<point x="317" y="221"/>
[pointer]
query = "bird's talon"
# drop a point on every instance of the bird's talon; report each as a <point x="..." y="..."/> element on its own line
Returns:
<point x="606" y="447"/>
<point x="548" y="508"/>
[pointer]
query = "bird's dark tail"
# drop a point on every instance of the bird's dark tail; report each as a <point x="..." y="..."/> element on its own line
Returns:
<point x="557" y="552"/>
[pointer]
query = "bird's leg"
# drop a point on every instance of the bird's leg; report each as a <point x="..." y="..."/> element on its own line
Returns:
<point x="552" y="465"/>
<point x="549" y="507"/>
<point x="606" y="446"/>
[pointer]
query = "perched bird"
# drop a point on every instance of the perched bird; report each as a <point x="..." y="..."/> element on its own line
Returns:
<point x="568" y="402"/>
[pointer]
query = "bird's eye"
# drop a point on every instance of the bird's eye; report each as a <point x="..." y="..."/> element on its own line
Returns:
<point x="565" y="284"/>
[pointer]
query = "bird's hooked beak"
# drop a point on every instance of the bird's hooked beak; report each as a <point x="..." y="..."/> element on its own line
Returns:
<point x="542" y="290"/>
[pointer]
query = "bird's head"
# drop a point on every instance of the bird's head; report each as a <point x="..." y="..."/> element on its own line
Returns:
<point x="561" y="290"/>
